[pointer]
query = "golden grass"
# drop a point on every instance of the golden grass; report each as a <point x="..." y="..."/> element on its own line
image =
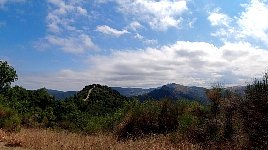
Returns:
<point x="43" y="139"/>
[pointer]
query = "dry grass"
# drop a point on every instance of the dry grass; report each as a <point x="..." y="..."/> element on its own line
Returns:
<point x="51" y="140"/>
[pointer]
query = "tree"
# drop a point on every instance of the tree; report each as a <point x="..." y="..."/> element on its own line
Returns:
<point x="7" y="75"/>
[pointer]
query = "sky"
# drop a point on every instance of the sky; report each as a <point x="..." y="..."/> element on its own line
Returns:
<point x="68" y="44"/>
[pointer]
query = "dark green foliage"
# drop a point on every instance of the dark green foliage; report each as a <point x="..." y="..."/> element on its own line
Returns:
<point x="255" y="112"/>
<point x="99" y="100"/>
<point x="7" y="75"/>
<point x="168" y="116"/>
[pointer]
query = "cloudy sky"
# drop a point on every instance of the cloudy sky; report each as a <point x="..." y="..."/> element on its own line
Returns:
<point x="67" y="44"/>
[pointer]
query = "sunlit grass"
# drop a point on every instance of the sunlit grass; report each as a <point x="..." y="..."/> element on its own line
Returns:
<point x="52" y="140"/>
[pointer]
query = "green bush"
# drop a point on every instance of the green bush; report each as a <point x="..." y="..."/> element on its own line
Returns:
<point x="186" y="122"/>
<point x="9" y="119"/>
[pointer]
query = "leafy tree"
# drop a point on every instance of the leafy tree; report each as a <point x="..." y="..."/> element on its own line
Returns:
<point x="7" y="75"/>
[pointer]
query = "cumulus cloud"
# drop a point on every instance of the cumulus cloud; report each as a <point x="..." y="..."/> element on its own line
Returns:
<point x="253" y="22"/>
<point x="194" y="63"/>
<point x="159" y="15"/>
<point x="217" y="18"/>
<point x="250" y="25"/>
<point x="111" y="31"/>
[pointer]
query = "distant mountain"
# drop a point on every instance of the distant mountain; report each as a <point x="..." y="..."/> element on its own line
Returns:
<point x="60" y="95"/>
<point x="177" y="91"/>
<point x="129" y="92"/>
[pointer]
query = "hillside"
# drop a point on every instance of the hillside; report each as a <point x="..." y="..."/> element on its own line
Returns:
<point x="60" y="95"/>
<point x="99" y="99"/>
<point x="132" y="91"/>
<point x="177" y="91"/>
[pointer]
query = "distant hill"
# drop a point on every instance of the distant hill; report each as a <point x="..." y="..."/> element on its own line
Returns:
<point x="60" y="95"/>
<point x="177" y="91"/>
<point x="99" y="99"/>
<point x="129" y="92"/>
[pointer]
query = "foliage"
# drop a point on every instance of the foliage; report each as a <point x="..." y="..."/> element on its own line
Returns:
<point x="255" y="112"/>
<point x="99" y="100"/>
<point x="147" y="118"/>
<point x="7" y="75"/>
<point x="9" y="119"/>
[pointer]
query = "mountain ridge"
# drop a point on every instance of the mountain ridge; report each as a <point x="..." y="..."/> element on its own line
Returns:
<point x="173" y="91"/>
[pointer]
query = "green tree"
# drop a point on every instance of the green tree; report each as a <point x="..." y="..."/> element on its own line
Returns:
<point x="7" y="75"/>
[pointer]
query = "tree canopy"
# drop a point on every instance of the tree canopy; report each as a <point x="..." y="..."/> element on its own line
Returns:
<point x="7" y="74"/>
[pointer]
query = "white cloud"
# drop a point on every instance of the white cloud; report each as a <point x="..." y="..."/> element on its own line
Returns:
<point x="145" y="40"/>
<point x="65" y="26"/>
<point x="135" y="25"/>
<point x="160" y="15"/>
<point x="111" y="31"/>
<point x="73" y="44"/>
<point x="188" y="63"/>
<point x="192" y="23"/>
<point x="62" y="15"/>
<point x="150" y="42"/>
<point x="217" y="19"/>
<point x="138" y="36"/>
<point x="253" y="22"/>
<point x="250" y="25"/>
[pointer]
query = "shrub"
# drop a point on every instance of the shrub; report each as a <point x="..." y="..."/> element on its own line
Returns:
<point x="147" y="118"/>
<point x="254" y="111"/>
<point x="9" y="119"/>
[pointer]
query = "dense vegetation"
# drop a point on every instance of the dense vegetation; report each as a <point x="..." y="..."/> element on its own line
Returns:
<point x="228" y="118"/>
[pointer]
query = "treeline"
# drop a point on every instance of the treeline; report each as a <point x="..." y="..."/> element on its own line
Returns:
<point x="229" y="121"/>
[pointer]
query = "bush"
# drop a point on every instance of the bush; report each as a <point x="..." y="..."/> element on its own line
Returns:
<point x="192" y="121"/>
<point x="9" y="119"/>
<point x="147" y="118"/>
<point x="254" y="111"/>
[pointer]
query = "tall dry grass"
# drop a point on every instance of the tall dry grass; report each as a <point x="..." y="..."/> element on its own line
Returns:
<point x="42" y="139"/>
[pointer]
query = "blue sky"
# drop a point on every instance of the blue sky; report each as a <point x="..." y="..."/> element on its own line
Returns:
<point x="67" y="44"/>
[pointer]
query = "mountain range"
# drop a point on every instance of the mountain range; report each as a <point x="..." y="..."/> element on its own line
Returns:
<point x="172" y="91"/>
<point x="61" y="94"/>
